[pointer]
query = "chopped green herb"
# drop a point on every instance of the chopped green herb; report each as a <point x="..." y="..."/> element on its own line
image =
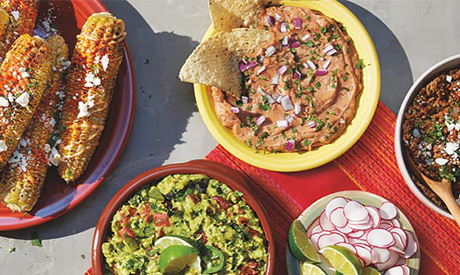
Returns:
<point x="35" y="240"/>
<point x="360" y="64"/>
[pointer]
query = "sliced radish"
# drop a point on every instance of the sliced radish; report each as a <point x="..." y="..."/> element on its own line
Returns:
<point x="325" y="223"/>
<point x="364" y="221"/>
<point x="380" y="238"/>
<point x="335" y="203"/>
<point x="345" y="229"/>
<point x="380" y="255"/>
<point x="364" y="254"/>
<point x="406" y="269"/>
<point x="314" y="238"/>
<point x="364" y="237"/>
<point x="312" y="226"/>
<point x="397" y="270"/>
<point x="365" y="226"/>
<point x="316" y="229"/>
<point x="337" y="217"/>
<point x="412" y="246"/>
<point x="401" y="261"/>
<point x="375" y="215"/>
<point x="396" y="223"/>
<point x="397" y="250"/>
<point x="356" y="234"/>
<point x="354" y="211"/>
<point x="388" y="211"/>
<point x="328" y="240"/>
<point x="392" y="261"/>
<point x="354" y="241"/>
<point x="386" y="225"/>
<point x="365" y="246"/>
<point x="401" y="242"/>
<point x="348" y="246"/>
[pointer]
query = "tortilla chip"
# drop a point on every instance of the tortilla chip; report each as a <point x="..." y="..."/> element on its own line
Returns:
<point x="215" y="61"/>
<point x="231" y="14"/>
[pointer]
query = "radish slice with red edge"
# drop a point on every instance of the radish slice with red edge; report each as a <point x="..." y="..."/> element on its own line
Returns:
<point x="386" y="225"/>
<point x="354" y="211"/>
<point x="345" y="229"/>
<point x="312" y="227"/>
<point x="406" y="269"/>
<point x="314" y="238"/>
<point x="354" y="241"/>
<point x="375" y="216"/>
<point x="388" y="211"/>
<point x="347" y="246"/>
<point x="399" y="243"/>
<point x="401" y="261"/>
<point x="396" y="223"/>
<point x="412" y="246"/>
<point x="380" y="238"/>
<point x="335" y="203"/>
<point x="380" y="255"/>
<point x="316" y="229"/>
<point x="402" y="235"/>
<point x="364" y="221"/>
<point x="365" y="246"/>
<point x="364" y="254"/>
<point x="365" y="226"/>
<point x="397" y="270"/>
<point x="325" y="223"/>
<point x="356" y="234"/>
<point x="337" y="217"/>
<point x="397" y="250"/>
<point x="328" y="240"/>
<point x="392" y="261"/>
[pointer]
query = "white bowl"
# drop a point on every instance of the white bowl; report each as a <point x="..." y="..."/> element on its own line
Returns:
<point x="445" y="65"/>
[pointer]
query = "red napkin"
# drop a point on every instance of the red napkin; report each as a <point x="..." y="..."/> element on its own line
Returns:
<point x="371" y="166"/>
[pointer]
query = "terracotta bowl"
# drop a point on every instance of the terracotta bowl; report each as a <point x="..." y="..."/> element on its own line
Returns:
<point x="443" y="66"/>
<point x="215" y="170"/>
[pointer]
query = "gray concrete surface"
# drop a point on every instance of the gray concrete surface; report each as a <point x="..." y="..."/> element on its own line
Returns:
<point x="409" y="36"/>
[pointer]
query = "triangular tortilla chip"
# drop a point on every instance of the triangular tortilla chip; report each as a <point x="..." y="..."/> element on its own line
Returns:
<point x="232" y="14"/>
<point x="215" y="61"/>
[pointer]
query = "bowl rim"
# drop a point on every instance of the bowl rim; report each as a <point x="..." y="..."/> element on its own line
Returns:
<point x="230" y="177"/>
<point x="367" y="104"/>
<point x="441" y="66"/>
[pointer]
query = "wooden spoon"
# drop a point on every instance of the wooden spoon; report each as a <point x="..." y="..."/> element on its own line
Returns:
<point x="443" y="189"/>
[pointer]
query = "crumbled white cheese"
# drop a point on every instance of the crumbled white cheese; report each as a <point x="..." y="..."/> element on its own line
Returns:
<point x="55" y="158"/>
<point x="3" y="146"/>
<point x="47" y="148"/>
<point x="52" y="122"/>
<point x="92" y="80"/>
<point x="23" y="142"/>
<point x="105" y="62"/>
<point x="16" y="158"/>
<point x="4" y="102"/>
<point x="441" y="161"/>
<point x="15" y="14"/>
<point x="449" y="78"/>
<point x="25" y="74"/>
<point x="83" y="107"/>
<point x="451" y="147"/>
<point x="23" y="99"/>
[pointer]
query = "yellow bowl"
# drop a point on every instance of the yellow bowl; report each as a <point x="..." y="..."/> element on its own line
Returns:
<point x="368" y="100"/>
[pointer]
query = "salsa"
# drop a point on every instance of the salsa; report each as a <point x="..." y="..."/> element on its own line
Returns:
<point x="193" y="206"/>
<point x="300" y="90"/>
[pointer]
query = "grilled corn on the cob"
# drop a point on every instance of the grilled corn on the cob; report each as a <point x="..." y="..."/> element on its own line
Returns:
<point x="24" y="76"/>
<point x="4" y="20"/>
<point x="23" y="177"/>
<point x="22" y="17"/>
<point x="92" y="75"/>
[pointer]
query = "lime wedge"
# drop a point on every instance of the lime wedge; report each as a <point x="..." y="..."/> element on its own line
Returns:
<point x="371" y="271"/>
<point x="176" y="257"/>
<point x="311" y="269"/>
<point x="343" y="260"/>
<point x="300" y="245"/>
<point x="167" y="241"/>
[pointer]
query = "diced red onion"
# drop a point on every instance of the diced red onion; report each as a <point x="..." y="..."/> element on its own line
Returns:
<point x="260" y="120"/>
<point x="270" y="99"/>
<point x="261" y="70"/>
<point x="286" y="103"/>
<point x="297" y="108"/>
<point x="332" y="52"/>
<point x="276" y="96"/>
<point x="261" y="60"/>
<point x="279" y="99"/>
<point x="270" y="20"/>
<point x="244" y="61"/>
<point x="282" y="124"/>
<point x="320" y="72"/>
<point x="276" y="79"/>
<point x="326" y="65"/>
<point x="311" y="124"/>
<point x="328" y="48"/>
<point x="283" y="27"/>
<point x="290" y="119"/>
<point x="235" y="110"/>
<point x="306" y="66"/>
<point x="242" y="67"/>
<point x="282" y="70"/>
<point x="296" y="44"/>
<point x="245" y="99"/>
<point x="296" y="75"/>
<point x="251" y="65"/>
<point x="290" y="145"/>
<point x="261" y="91"/>
<point x="277" y="16"/>
<point x="305" y="37"/>
<point x="297" y="23"/>
<point x="285" y="41"/>
<point x="311" y="64"/>
<point x="271" y="50"/>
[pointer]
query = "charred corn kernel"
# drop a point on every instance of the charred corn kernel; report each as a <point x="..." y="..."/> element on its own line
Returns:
<point x="4" y="20"/>
<point x="92" y="75"/>
<point x="22" y="17"/>
<point x="23" y="177"/>
<point x="25" y="73"/>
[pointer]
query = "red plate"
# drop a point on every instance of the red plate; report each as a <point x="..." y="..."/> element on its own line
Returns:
<point x="57" y="198"/>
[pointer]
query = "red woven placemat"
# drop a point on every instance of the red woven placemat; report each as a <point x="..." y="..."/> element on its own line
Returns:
<point x="370" y="165"/>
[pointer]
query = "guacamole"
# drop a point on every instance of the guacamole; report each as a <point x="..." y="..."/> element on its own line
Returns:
<point x="196" y="207"/>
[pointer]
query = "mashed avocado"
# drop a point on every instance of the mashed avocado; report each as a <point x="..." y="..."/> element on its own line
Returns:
<point x="192" y="206"/>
